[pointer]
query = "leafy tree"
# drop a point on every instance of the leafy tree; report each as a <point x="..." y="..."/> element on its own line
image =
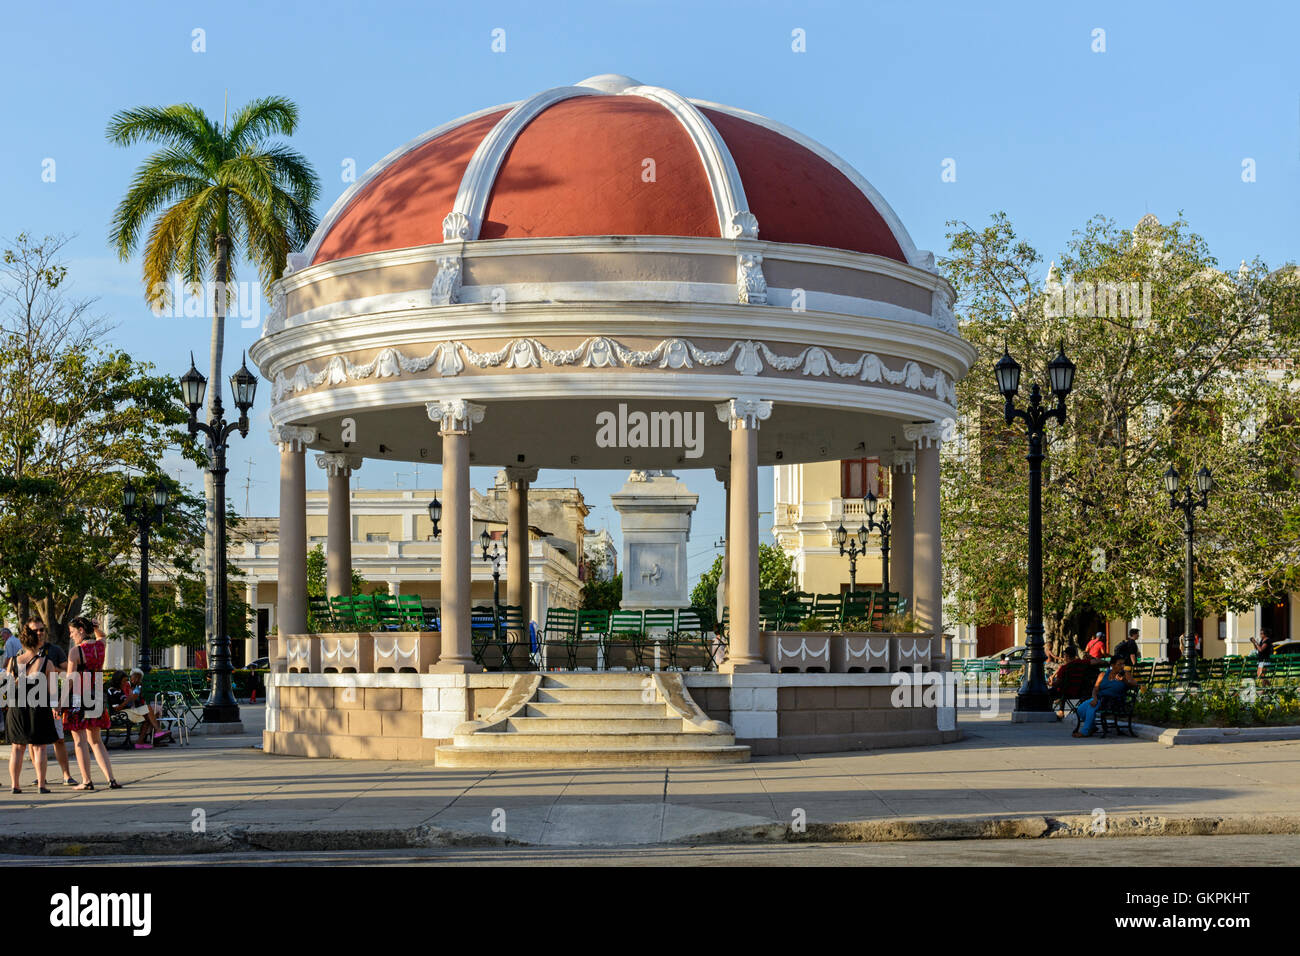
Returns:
<point x="603" y="595"/>
<point x="316" y="575"/>
<point x="213" y="192"/>
<point x="1191" y="373"/>
<point x="74" y="417"/>
<point x="775" y="573"/>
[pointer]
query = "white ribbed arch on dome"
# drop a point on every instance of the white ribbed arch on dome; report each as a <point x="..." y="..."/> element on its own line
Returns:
<point x="341" y="204"/>
<point x="913" y="256"/>
<point x="466" y="216"/>
<point x="734" y="218"/>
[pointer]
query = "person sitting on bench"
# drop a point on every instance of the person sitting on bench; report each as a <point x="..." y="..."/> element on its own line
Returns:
<point x="1066" y="675"/>
<point x="140" y="712"/>
<point x="1109" y="690"/>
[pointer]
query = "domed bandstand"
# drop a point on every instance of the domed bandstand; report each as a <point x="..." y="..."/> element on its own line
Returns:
<point x="493" y="290"/>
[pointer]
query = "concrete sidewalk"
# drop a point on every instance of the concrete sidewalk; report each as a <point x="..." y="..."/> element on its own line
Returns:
<point x="1002" y="779"/>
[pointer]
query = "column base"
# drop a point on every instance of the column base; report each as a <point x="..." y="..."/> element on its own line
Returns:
<point x="744" y="667"/>
<point x="456" y="667"/>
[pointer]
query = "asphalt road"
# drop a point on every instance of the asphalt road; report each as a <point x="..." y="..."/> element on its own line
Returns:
<point x="1111" y="851"/>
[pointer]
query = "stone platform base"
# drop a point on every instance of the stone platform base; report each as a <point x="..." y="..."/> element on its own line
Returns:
<point x="1033" y="717"/>
<point x="410" y="716"/>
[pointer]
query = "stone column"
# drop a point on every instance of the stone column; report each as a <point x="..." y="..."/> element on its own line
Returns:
<point x="250" y="643"/>
<point x="517" y="543"/>
<point x="900" y="516"/>
<point x="455" y="417"/>
<point x="742" y="417"/>
<point x="338" y="468"/>
<point x="291" y="597"/>
<point x="723" y="474"/>
<point x="927" y="569"/>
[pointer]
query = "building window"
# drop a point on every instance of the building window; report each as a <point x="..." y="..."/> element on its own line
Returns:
<point x="858" y="476"/>
<point x="374" y="537"/>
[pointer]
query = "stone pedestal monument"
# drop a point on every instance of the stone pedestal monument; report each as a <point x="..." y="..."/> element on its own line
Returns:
<point x="655" y="508"/>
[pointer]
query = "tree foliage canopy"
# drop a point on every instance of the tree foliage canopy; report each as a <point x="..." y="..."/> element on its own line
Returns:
<point x="1194" y="370"/>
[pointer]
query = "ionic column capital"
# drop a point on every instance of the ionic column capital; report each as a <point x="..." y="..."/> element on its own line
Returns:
<point x="455" y="416"/>
<point x="926" y="435"/>
<point x="337" y="463"/>
<point x="744" y="412"/>
<point x="516" y="473"/>
<point x="294" y="437"/>
<point x="902" y="462"/>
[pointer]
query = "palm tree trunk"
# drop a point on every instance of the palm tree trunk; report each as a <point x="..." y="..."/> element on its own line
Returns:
<point x="216" y="348"/>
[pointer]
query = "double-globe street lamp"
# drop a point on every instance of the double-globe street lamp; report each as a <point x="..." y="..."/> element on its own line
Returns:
<point x="855" y="546"/>
<point x="1188" y="503"/>
<point x="221" y="706"/>
<point x="884" y="525"/>
<point x="143" y="517"/>
<point x="495" y="555"/>
<point x="1034" y="696"/>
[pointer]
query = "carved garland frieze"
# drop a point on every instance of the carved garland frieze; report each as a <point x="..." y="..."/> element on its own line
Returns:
<point x="450" y="358"/>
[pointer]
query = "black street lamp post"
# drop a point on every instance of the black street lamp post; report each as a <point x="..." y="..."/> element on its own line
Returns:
<point x="1188" y="503"/>
<point x="221" y="706"/>
<point x="495" y="556"/>
<point x="1034" y="696"/>
<point x="856" y="545"/>
<point x="435" y="515"/>
<point x="883" y="526"/>
<point x="143" y="517"/>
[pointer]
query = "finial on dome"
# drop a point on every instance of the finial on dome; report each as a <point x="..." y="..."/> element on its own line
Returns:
<point x="610" y="82"/>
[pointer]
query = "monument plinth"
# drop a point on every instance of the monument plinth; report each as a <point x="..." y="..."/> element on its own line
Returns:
<point x="655" y="511"/>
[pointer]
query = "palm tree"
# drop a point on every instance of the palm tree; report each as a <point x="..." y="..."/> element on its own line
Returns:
<point x="213" y="193"/>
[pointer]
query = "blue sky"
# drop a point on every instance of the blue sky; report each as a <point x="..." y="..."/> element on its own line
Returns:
<point x="1039" y="125"/>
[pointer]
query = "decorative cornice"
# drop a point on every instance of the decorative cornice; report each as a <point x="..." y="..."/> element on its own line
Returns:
<point x="722" y="473"/>
<point x="743" y="412"/>
<point x="296" y="437"/>
<point x="337" y="463"/>
<point x="456" y="416"/>
<point x="926" y="435"/>
<point x="751" y="359"/>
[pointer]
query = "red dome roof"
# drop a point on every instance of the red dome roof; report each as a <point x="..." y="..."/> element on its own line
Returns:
<point x="577" y="165"/>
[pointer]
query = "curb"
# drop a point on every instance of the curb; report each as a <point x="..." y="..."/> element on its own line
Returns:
<point x="1172" y="736"/>
<point x="251" y="840"/>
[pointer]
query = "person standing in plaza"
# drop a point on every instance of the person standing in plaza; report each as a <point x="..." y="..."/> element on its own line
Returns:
<point x="58" y="659"/>
<point x="1263" y="652"/>
<point x="12" y="646"/>
<point x="29" y="723"/>
<point x="1097" y="646"/>
<point x="1127" y="649"/>
<point x="86" y="664"/>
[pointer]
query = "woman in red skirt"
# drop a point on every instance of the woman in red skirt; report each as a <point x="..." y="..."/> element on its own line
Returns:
<point x="86" y="660"/>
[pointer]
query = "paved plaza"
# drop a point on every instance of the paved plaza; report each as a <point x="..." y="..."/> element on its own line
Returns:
<point x="1001" y="780"/>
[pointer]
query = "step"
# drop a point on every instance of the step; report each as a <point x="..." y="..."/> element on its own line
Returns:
<point x="632" y="680"/>
<point x="592" y="740"/>
<point x="505" y="758"/>
<point x="599" y="711"/>
<point x="594" y="725"/>
<point x="573" y="695"/>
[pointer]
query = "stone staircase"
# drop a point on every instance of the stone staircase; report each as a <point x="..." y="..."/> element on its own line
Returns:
<point x="562" y="720"/>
